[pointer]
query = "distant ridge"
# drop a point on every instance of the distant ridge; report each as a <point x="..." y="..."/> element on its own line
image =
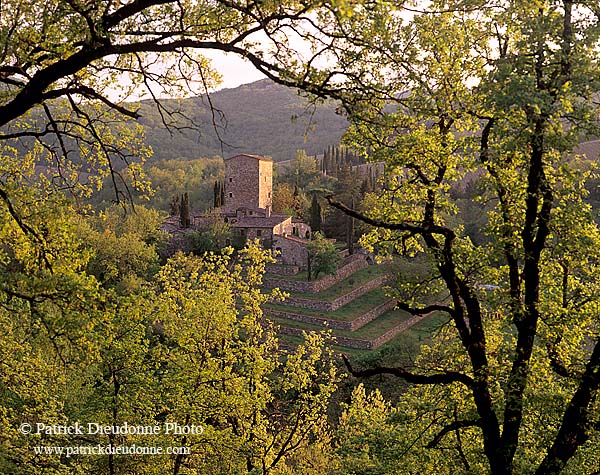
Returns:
<point x="262" y="118"/>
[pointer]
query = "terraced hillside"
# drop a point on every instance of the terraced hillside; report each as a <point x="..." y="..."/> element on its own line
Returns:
<point x="352" y="304"/>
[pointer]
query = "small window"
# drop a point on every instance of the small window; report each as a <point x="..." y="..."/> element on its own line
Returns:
<point x="251" y="212"/>
<point x="269" y="194"/>
<point x="230" y="195"/>
<point x="259" y="232"/>
<point x="230" y="179"/>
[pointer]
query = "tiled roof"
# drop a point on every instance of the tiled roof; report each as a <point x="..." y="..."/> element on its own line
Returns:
<point x="257" y="157"/>
<point x="259" y="221"/>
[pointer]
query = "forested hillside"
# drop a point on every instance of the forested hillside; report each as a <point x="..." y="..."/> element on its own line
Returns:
<point x="261" y="117"/>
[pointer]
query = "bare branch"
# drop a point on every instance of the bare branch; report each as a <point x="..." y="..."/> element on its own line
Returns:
<point x="456" y="425"/>
<point x="425" y="229"/>
<point x="446" y="377"/>
<point x="425" y="310"/>
<point x="90" y="93"/>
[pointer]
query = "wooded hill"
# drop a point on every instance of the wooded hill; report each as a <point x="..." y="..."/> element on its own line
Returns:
<point x="261" y="117"/>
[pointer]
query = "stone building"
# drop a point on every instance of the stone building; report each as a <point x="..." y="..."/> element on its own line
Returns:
<point x="248" y="185"/>
<point x="248" y="204"/>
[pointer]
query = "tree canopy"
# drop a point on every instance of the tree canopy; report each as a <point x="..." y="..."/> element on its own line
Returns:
<point x="60" y="63"/>
<point x="498" y="92"/>
<point x="502" y="92"/>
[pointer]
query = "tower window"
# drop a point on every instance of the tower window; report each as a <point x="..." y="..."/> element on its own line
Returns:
<point x="231" y="195"/>
<point x="230" y="179"/>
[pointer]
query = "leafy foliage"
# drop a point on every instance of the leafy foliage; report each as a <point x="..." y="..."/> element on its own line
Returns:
<point x="183" y="343"/>
<point x="323" y="257"/>
<point x="504" y="92"/>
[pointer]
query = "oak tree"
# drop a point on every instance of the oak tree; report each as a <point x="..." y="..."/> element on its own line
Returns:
<point x="502" y="92"/>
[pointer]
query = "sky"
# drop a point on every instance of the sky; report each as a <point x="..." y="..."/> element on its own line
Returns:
<point x="234" y="70"/>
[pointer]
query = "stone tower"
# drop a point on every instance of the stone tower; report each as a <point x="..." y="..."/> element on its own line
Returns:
<point x="248" y="184"/>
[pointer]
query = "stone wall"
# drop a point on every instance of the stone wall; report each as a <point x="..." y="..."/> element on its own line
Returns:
<point x="282" y="270"/>
<point x="300" y="229"/>
<point x="373" y="314"/>
<point x="392" y="332"/>
<point x="349" y="266"/>
<point x="265" y="185"/>
<point x="248" y="183"/>
<point x="291" y="251"/>
<point x="340" y="340"/>
<point x="359" y="343"/>
<point x="320" y="320"/>
<point x="324" y="321"/>
<point x="330" y="306"/>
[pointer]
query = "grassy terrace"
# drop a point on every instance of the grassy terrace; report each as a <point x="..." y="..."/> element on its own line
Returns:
<point x="350" y="283"/>
<point x="417" y="335"/>
<point x="370" y="331"/>
<point x="403" y="348"/>
<point x="349" y="312"/>
<point x="301" y="276"/>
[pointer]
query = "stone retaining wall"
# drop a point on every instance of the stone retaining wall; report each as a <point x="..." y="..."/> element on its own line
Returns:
<point x="392" y="332"/>
<point x="323" y="321"/>
<point x="282" y="270"/>
<point x="359" y="343"/>
<point x="330" y="306"/>
<point x="350" y="265"/>
<point x="373" y="314"/>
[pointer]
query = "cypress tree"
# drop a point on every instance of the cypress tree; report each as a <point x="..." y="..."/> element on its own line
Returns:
<point x="184" y="211"/>
<point x="175" y="206"/>
<point x="216" y="195"/>
<point x="315" y="214"/>
<point x="350" y="230"/>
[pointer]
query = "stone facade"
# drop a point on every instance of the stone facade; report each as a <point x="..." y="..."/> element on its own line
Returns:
<point x="300" y="229"/>
<point x="248" y="209"/>
<point x="278" y="269"/>
<point x="248" y="184"/>
<point x="261" y="228"/>
<point x="290" y="250"/>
